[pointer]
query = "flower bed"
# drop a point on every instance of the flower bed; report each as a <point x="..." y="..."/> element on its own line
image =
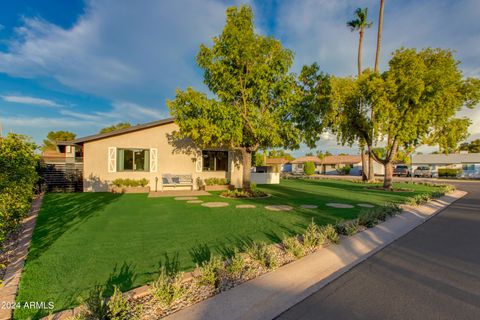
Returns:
<point x="239" y="193"/>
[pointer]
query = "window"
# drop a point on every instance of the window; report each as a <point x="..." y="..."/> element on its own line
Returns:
<point x="215" y="160"/>
<point x="133" y="160"/>
<point x="468" y="167"/>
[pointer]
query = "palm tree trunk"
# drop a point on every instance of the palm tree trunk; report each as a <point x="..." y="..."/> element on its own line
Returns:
<point x="359" y="55"/>
<point x="371" y="170"/>
<point x="379" y="35"/>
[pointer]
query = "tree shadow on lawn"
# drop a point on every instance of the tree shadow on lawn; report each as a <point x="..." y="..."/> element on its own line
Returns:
<point x="61" y="213"/>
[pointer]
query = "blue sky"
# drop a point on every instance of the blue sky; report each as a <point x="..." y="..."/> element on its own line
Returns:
<point x="82" y="65"/>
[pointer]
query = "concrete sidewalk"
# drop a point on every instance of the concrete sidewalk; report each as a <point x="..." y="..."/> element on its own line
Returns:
<point x="269" y="295"/>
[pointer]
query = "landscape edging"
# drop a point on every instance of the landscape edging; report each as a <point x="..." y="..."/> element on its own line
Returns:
<point x="8" y="292"/>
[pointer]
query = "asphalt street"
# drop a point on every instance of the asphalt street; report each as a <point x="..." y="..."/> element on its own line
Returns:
<point x="433" y="272"/>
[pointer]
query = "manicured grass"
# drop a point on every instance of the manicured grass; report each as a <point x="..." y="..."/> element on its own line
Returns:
<point x="85" y="239"/>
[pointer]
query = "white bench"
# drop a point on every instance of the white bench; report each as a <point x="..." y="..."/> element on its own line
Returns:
<point x="177" y="180"/>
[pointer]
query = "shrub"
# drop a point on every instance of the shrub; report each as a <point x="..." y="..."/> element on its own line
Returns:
<point x="168" y="287"/>
<point x="236" y="266"/>
<point x="118" y="308"/>
<point x="449" y="172"/>
<point x="347" y="228"/>
<point x="209" y="271"/>
<point x="293" y="246"/>
<point x="96" y="303"/>
<point x="330" y="233"/>
<point x="309" y="168"/>
<point x="18" y="178"/>
<point x="264" y="254"/>
<point x="344" y="170"/>
<point x="313" y="237"/>
<point x="419" y="199"/>
<point x="216" y="181"/>
<point x="368" y="218"/>
<point x="239" y="193"/>
<point x="130" y="182"/>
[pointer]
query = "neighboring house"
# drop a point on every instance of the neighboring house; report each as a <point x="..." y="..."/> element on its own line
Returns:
<point x="280" y="164"/>
<point x="331" y="164"/>
<point x="66" y="152"/>
<point x="299" y="164"/>
<point x="468" y="163"/>
<point x="150" y="151"/>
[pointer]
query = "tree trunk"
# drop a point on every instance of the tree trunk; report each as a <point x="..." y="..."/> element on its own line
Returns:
<point x="371" y="170"/>
<point x="387" y="182"/>
<point x="364" y="164"/>
<point x="247" y="164"/>
<point x="359" y="56"/>
<point x="379" y="35"/>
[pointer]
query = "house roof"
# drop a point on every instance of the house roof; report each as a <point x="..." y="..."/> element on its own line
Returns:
<point x="123" y="131"/>
<point x="347" y="159"/>
<point x="446" y="158"/>
<point x="276" y="161"/>
<point x="304" y="159"/>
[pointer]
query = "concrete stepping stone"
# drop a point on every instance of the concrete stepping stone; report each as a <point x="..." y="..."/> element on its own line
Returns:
<point x="308" y="206"/>
<point x="365" y="205"/>
<point x="245" y="206"/>
<point x="194" y="201"/>
<point x="186" y="198"/>
<point x="215" y="204"/>
<point x="340" y="205"/>
<point x="279" y="207"/>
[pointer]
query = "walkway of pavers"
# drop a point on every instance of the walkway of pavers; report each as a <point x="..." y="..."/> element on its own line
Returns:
<point x="8" y="291"/>
<point x="269" y="295"/>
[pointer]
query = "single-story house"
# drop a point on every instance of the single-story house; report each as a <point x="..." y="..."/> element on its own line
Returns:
<point x="332" y="164"/>
<point x="281" y="164"/>
<point x="150" y="151"/>
<point x="468" y="163"/>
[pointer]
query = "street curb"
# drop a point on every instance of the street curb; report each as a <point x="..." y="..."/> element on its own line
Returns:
<point x="271" y="294"/>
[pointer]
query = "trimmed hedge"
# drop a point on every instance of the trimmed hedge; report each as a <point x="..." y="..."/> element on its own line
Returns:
<point x="130" y="182"/>
<point x="449" y="172"/>
<point x="216" y="181"/>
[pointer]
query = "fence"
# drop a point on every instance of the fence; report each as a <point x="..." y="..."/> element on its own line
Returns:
<point x="62" y="177"/>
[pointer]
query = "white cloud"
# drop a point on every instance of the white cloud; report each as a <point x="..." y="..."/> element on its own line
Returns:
<point x="30" y="101"/>
<point x="119" y="50"/>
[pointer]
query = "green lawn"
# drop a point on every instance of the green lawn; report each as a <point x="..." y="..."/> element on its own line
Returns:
<point x="83" y="239"/>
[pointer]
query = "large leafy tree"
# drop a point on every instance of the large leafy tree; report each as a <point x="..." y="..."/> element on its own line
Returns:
<point x="53" y="136"/>
<point x="115" y="127"/>
<point x="252" y="92"/>
<point x="414" y="103"/>
<point x="472" y="147"/>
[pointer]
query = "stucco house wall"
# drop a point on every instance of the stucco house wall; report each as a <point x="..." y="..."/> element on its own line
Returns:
<point x="179" y="157"/>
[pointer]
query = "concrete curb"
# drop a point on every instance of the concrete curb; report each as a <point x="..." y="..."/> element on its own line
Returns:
<point x="8" y="292"/>
<point x="271" y="294"/>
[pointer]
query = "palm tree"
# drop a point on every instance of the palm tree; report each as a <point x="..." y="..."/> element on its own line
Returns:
<point x="371" y="170"/>
<point x="360" y="24"/>
<point x="379" y="35"/>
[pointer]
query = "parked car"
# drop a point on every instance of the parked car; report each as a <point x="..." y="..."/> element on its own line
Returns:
<point x="423" y="171"/>
<point x="401" y="170"/>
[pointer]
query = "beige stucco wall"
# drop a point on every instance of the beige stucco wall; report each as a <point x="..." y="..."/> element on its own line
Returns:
<point x="173" y="157"/>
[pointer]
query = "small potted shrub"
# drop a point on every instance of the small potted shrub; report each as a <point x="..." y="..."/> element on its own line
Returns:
<point x="130" y="186"/>
<point x="216" y="184"/>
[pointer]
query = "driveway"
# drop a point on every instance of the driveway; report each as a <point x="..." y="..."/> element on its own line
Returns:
<point x="432" y="272"/>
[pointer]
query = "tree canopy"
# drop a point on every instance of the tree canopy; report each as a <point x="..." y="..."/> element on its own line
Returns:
<point x="54" y="136"/>
<point x="472" y="147"/>
<point x="414" y="102"/>
<point x="252" y="92"/>
<point x="115" y="127"/>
